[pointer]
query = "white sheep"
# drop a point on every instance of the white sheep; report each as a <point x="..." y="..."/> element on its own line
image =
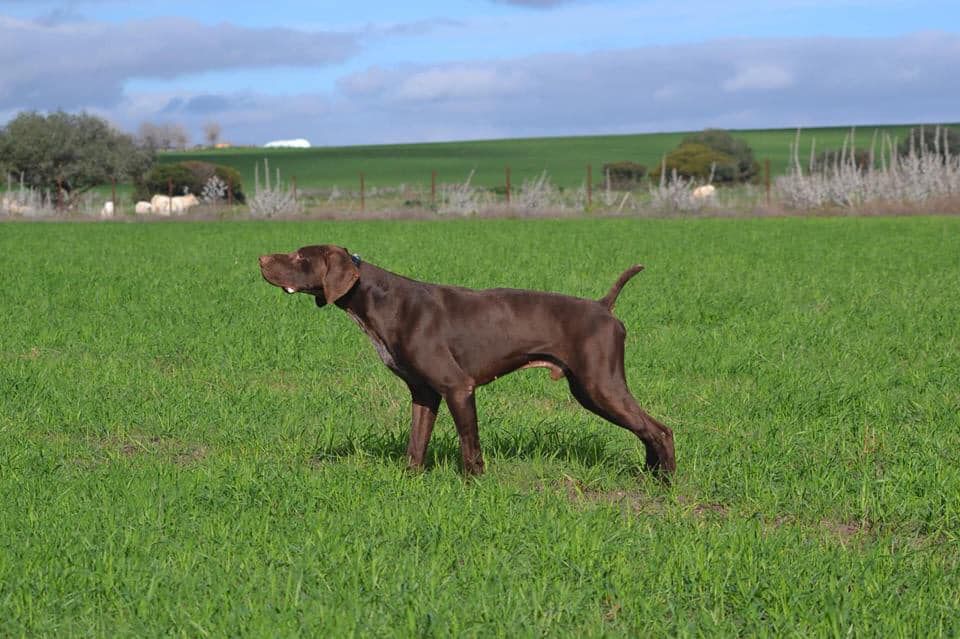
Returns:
<point x="705" y="192"/>
<point x="142" y="208"/>
<point x="107" y="210"/>
<point x="183" y="203"/>
<point x="160" y="204"/>
<point x="13" y="207"/>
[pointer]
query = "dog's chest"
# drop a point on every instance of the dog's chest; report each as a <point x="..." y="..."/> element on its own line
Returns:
<point x="378" y="344"/>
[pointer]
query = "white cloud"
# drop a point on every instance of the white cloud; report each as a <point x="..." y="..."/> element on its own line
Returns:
<point x="759" y="77"/>
<point x="736" y="83"/>
<point x="456" y="83"/>
<point x="85" y="64"/>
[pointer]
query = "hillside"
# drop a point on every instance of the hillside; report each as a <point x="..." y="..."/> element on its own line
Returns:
<point x="565" y="159"/>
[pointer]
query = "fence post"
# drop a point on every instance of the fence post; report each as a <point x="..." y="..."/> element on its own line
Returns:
<point x="433" y="188"/>
<point x="170" y="188"/>
<point x="508" y="186"/>
<point x="113" y="192"/>
<point x="589" y="186"/>
<point x="363" y="203"/>
<point x="294" y="180"/>
<point x="766" y="180"/>
<point x="59" y="193"/>
<point x="230" y="192"/>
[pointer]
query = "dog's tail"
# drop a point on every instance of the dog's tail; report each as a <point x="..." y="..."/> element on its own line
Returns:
<point x="610" y="298"/>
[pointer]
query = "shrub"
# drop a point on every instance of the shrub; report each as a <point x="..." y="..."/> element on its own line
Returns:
<point x="188" y="177"/>
<point x="624" y="175"/>
<point x="931" y="140"/>
<point x="914" y="177"/>
<point x="829" y="160"/>
<point x="691" y="160"/>
<point x="463" y="199"/>
<point x="721" y="141"/>
<point x="273" y="199"/>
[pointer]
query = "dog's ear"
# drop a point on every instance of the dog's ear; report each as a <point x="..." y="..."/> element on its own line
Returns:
<point x="341" y="273"/>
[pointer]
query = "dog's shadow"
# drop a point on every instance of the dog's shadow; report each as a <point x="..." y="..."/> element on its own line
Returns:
<point x="585" y="449"/>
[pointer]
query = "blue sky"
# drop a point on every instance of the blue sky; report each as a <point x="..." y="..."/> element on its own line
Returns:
<point x="371" y="72"/>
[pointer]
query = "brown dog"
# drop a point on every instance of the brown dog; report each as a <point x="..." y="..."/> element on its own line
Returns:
<point x="445" y="341"/>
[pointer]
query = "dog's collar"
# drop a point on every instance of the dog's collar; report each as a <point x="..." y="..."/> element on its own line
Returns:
<point x="356" y="259"/>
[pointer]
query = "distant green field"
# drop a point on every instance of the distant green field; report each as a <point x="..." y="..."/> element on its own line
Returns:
<point x="186" y="451"/>
<point x="565" y="159"/>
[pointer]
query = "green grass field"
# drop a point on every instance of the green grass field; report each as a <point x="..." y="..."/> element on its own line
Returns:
<point x="184" y="450"/>
<point x="565" y="159"/>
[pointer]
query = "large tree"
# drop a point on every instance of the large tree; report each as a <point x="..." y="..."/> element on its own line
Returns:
<point x="75" y="151"/>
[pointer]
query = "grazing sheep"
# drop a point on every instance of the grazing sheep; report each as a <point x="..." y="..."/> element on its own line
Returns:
<point x="705" y="192"/>
<point x="183" y="203"/>
<point x="160" y="204"/>
<point x="107" y="210"/>
<point x="143" y="207"/>
<point x="13" y="207"/>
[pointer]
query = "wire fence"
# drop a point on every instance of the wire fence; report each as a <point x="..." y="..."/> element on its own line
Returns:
<point x="918" y="180"/>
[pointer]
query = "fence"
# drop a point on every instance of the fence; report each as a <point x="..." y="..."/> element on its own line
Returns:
<point x="911" y="180"/>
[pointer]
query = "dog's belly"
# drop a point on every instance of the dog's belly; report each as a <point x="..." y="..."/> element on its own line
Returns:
<point x="555" y="371"/>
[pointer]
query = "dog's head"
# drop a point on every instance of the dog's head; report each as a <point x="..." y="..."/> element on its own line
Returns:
<point x="327" y="272"/>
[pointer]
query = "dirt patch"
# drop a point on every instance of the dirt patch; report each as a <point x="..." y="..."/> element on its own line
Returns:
<point x="281" y="385"/>
<point x="31" y="355"/>
<point x="848" y="531"/>
<point x="635" y="501"/>
<point x="709" y="509"/>
<point x="129" y="450"/>
<point x="610" y="608"/>
<point x="179" y="452"/>
<point x="639" y="502"/>
<point x="190" y="455"/>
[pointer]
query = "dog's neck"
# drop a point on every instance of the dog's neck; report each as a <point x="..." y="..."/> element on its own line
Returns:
<point x="373" y="304"/>
<point x="374" y="289"/>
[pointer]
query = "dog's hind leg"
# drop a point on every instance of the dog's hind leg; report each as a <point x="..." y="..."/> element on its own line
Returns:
<point x="426" y="403"/>
<point x="615" y="404"/>
<point x="463" y="407"/>
<point x="598" y="382"/>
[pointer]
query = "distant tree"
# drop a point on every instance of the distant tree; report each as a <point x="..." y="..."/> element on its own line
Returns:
<point x="163" y="137"/>
<point x="211" y="131"/>
<point x="179" y="136"/>
<point x="149" y="135"/>
<point x="80" y="151"/>
<point x="745" y="169"/>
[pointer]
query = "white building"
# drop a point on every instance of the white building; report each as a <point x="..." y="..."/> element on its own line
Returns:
<point x="298" y="143"/>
